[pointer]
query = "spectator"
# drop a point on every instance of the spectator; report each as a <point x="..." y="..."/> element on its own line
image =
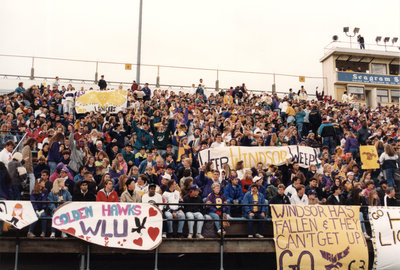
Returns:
<point x="6" y="153"/>
<point x="194" y="211"/>
<point x="360" y="40"/>
<point x="234" y="195"/>
<point x="107" y="194"/>
<point x="216" y="211"/>
<point x="18" y="175"/>
<point x="299" y="198"/>
<point x="59" y="194"/>
<point x="390" y="199"/>
<point x="102" y="83"/>
<point x="84" y="194"/>
<point x="336" y="198"/>
<point x="39" y="195"/>
<point x="258" y="211"/>
<point x="54" y="155"/>
<point x="130" y="195"/>
<point x="27" y="157"/>
<point x="389" y="162"/>
<point x="173" y="211"/>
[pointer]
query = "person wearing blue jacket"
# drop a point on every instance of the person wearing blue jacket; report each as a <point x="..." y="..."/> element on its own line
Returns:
<point x="58" y="195"/>
<point x="300" y="114"/>
<point x="234" y="194"/>
<point x="254" y="212"/>
<point x="39" y="196"/>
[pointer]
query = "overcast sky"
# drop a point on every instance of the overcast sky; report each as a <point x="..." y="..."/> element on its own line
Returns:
<point x="269" y="36"/>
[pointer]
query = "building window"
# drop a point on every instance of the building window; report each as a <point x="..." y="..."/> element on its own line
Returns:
<point x="395" y="94"/>
<point x="378" y="69"/>
<point x="382" y="95"/>
<point x="357" y="92"/>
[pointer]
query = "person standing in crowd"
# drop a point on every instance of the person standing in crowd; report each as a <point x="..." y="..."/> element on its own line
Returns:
<point x="102" y="83"/>
<point x="18" y="175"/>
<point x="147" y="92"/>
<point x="194" y="211"/>
<point x="360" y="40"/>
<point x="29" y="146"/>
<point x="299" y="197"/>
<point x="6" y="153"/>
<point x="54" y="155"/>
<point x="389" y="163"/>
<point x="258" y="211"/>
<point x="390" y="199"/>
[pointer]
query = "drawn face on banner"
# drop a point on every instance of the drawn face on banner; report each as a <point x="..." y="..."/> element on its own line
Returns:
<point x="18" y="213"/>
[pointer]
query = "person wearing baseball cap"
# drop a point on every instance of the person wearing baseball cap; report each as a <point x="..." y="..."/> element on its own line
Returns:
<point x="194" y="211"/>
<point x="253" y="196"/>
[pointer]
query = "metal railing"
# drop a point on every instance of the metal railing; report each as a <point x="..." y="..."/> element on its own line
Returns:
<point x="93" y="68"/>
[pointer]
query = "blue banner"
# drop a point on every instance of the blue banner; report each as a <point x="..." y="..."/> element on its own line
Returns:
<point x="368" y="78"/>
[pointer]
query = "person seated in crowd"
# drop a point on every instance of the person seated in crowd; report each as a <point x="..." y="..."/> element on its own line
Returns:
<point x="107" y="194"/>
<point x="390" y="199"/>
<point x="217" y="205"/>
<point x="299" y="198"/>
<point x="258" y="211"/>
<point x="59" y="194"/>
<point x="39" y="196"/>
<point x="234" y="195"/>
<point x="84" y="194"/>
<point x="336" y="197"/>
<point x="173" y="211"/>
<point x="153" y="197"/>
<point x="130" y="195"/>
<point x="194" y="211"/>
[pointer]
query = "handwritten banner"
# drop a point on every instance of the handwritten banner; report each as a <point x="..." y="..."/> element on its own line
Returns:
<point x="112" y="101"/>
<point x="120" y="225"/>
<point x="276" y="155"/>
<point x="17" y="213"/>
<point x="385" y="225"/>
<point x="318" y="237"/>
<point x="369" y="157"/>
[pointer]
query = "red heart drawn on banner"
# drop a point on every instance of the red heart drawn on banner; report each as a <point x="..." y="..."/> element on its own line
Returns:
<point x="153" y="232"/>
<point x="138" y="242"/>
<point x="152" y="212"/>
<point x="81" y="236"/>
<point x="70" y="231"/>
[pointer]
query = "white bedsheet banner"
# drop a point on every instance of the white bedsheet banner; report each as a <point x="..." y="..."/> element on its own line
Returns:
<point x="385" y="225"/>
<point x="120" y="225"/>
<point x="276" y="155"/>
<point x="18" y="213"/>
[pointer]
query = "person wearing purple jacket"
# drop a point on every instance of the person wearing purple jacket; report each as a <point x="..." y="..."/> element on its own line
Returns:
<point x="39" y="196"/>
<point x="351" y="145"/>
<point x="54" y="156"/>
<point x="216" y="211"/>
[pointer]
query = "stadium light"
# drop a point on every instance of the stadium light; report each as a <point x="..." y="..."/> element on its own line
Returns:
<point x="394" y="40"/>
<point x="355" y="31"/>
<point x="378" y="38"/>
<point x="386" y="39"/>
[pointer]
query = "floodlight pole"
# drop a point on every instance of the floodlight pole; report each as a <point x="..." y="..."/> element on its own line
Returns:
<point x="139" y="43"/>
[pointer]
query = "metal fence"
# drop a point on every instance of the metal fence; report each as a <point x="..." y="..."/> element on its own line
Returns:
<point x="86" y="72"/>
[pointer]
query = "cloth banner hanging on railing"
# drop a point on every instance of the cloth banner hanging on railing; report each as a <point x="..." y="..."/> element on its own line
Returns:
<point x="275" y="155"/>
<point x="385" y="226"/>
<point x="112" y="101"/>
<point x="120" y="225"/>
<point x="322" y="237"/>
<point x="17" y="213"/>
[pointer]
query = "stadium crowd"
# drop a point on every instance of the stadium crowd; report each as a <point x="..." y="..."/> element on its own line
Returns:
<point x="149" y="152"/>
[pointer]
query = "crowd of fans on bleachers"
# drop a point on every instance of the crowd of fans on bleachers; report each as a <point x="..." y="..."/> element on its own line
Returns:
<point x="149" y="152"/>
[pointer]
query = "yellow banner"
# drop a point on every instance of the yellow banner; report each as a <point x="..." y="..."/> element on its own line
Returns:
<point x="112" y="101"/>
<point x="369" y="157"/>
<point x="322" y="237"/>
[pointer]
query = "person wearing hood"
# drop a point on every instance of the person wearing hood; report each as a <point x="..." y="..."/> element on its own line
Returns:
<point x="18" y="175"/>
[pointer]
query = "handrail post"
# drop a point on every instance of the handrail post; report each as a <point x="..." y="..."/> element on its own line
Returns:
<point x="16" y="252"/>
<point x="96" y="75"/>
<point x="158" y="77"/>
<point x="221" y="244"/>
<point x="217" y="82"/>
<point x="88" y="258"/>
<point x="156" y="259"/>
<point x="32" y="77"/>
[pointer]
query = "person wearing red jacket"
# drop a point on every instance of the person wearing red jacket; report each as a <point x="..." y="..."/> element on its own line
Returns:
<point x="107" y="194"/>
